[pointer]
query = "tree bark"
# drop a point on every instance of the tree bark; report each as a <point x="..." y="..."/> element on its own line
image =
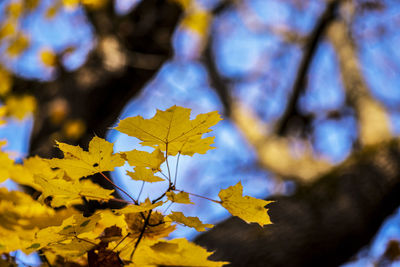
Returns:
<point x="322" y="224"/>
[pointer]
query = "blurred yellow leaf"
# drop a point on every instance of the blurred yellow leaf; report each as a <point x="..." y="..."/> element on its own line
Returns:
<point x="6" y="164"/>
<point x="7" y="29"/>
<point x="247" y="208"/>
<point x="5" y="82"/>
<point x="94" y="4"/>
<point x="20" y="106"/>
<point x="18" y="45"/>
<point x="144" y="174"/>
<point x="14" y="10"/>
<point x="145" y="206"/>
<point x="78" y="163"/>
<point x="181" y="197"/>
<point x="193" y="222"/>
<point x="197" y="21"/>
<point x="48" y="57"/>
<point x="74" y="129"/>
<point x="71" y="4"/>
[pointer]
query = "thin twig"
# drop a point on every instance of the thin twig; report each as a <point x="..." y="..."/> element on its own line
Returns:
<point x="176" y="168"/>
<point x="146" y="222"/>
<point x="122" y="190"/>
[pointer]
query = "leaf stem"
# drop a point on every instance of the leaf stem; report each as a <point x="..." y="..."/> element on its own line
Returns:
<point x="122" y="190"/>
<point x="146" y="222"/>
<point x="196" y="195"/>
<point x="140" y="192"/>
<point x="176" y="168"/>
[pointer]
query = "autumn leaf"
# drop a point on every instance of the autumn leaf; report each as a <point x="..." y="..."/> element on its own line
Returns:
<point x="193" y="222"/>
<point x="247" y="208"/>
<point x="6" y="164"/>
<point x="139" y="158"/>
<point x="181" y="197"/>
<point x="144" y="174"/>
<point x="71" y="192"/>
<point x="145" y="206"/>
<point x="175" y="252"/>
<point x="172" y="129"/>
<point x="78" y="163"/>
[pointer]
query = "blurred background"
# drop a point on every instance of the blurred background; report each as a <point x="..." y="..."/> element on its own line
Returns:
<point x="309" y="90"/>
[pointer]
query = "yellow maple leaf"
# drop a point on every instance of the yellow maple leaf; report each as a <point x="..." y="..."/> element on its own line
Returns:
<point x="181" y="197"/>
<point x="139" y="158"/>
<point x="72" y="228"/>
<point x="6" y="164"/>
<point x="175" y="252"/>
<point x="193" y="222"/>
<point x="20" y="106"/>
<point x="145" y="206"/>
<point x="7" y="29"/>
<point x="247" y="208"/>
<point x="78" y="163"/>
<point x="144" y="174"/>
<point x="172" y="129"/>
<point x="66" y="193"/>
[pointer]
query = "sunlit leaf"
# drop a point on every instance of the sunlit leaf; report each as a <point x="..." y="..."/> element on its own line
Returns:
<point x="144" y="174"/>
<point x="193" y="222"/>
<point x="181" y="197"/>
<point x="247" y="208"/>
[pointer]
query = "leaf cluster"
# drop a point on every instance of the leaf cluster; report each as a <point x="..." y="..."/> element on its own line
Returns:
<point x="134" y="235"/>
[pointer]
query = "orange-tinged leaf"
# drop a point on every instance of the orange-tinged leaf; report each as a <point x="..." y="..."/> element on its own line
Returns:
<point x="197" y="21"/>
<point x="78" y="163"/>
<point x="171" y="129"/>
<point x="247" y="208"/>
<point x="139" y="158"/>
<point x="144" y="174"/>
<point x="181" y="197"/>
<point x="193" y="222"/>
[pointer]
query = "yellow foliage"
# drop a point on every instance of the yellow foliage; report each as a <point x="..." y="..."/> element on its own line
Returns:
<point x="6" y="164"/>
<point x="5" y="81"/>
<point x="193" y="222"/>
<point x="7" y="29"/>
<point x="48" y="57"/>
<point x="173" y="130"/>
<point x="145" y="206"/>
<point x="18" y="45"/>
<point x="74" y="129"/>
<point x="20" y="106"/>
<point x="197" y="21"/>
<point x="145" y="159"/>
<point x="14" y="10"/>
<point x="246" y="208"/>
<point x="78" y="163"/>
<point x="181" y="197"/>
<point x="175" y="252"/>
<point x="144" y="174"/>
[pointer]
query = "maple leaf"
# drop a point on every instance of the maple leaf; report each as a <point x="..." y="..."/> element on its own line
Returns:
<point x="144" y="174"/>
<point x="175" y="252"/>
<point x="172" y="129"/>
<point x="145" y="206"/>
<point x="181" y="197"/>
<point x="247" y="208"/>
<point x="139" y="158"/>
<point x="159" y="227"/>
<point x="78" y="163"/>
<point x="6" y="164"/>
<point x="193" y="222"/>
<point x="71" y="192"/>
